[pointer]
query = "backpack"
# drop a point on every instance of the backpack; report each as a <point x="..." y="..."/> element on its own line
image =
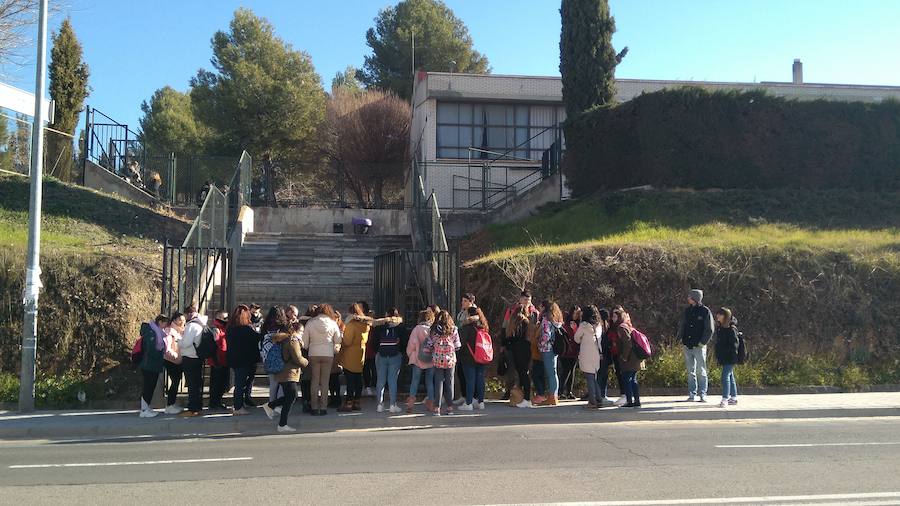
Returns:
<point x="484" y="348"/>
<point x="137" y="352"/>
<point x="207" y="347"/>
<point x="273" y="358"/>
<point x="558" y="340"/>
<point x="443" y="356"/>
<point x="641" y="345"/>
<point x="743" y="354"/>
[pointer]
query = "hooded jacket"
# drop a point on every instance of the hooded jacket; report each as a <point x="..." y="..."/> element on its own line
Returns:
<point x="190" y="340"/>
<point x="727" y="344"/>
<point x="353" y="345"/>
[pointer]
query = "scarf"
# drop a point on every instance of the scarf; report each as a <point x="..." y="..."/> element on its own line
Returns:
<point x="160" y="336"/>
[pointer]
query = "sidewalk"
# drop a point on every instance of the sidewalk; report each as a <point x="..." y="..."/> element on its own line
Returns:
<point x="62" y="425"/>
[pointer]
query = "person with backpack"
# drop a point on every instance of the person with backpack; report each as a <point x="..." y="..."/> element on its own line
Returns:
<point x="551" y="343"/>
<point x="353" y="355"/>
<point x="322" y="338"/>
<point x="468" y="300"/>
<point x="516" y="342"/>
<point x="420" y="363"/>
<point x="172" y="357"/>
<point x="191" y="363"/>
<point x="443" y="341"/>
<point x="152" y="363"/>
<point x="219" y="372"/>
<point x="568" y="359"/>
<point x="609" y="349"/>
<point x="694" y="331"/>
<point x="287" y="343"/>
<point x="632" y="362"/>
<point x="524" y="301"/>
<point x="475" y="327"/>
<point x="242" y="354"/>
<point x="728" y="345"/>
<point x="590" y="332"/>
<point x="388" y="359"/>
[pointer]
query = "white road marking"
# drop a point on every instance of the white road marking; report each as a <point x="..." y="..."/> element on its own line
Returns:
<point x="842" y="498"/>
<point x="132" y="463"/>
<point x="810" y="445"/>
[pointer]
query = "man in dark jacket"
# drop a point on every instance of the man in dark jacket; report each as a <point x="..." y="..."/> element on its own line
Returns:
<point x="695" y="330"/>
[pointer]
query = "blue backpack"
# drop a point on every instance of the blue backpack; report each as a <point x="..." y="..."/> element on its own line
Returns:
<point x="273" y="360"/>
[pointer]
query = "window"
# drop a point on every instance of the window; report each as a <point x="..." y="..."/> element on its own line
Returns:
<point x="499" y="128"/>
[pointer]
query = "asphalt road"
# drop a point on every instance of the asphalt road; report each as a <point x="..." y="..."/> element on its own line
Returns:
<point x="824" y="461"/>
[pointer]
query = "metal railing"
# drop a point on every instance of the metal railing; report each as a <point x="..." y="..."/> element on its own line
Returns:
<point x="399" y="281"/>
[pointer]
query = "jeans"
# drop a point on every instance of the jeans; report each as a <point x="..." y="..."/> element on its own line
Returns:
<point x="632" y="393"/>
<point x="474" y="375"/>
<point x="416" y="378"/>
<point x="173" y="371"/>
<point x="193" y="376"/>
<point x="243" y="385"/>
<point x="354" y="385"/>
<point x="521" y="354"/>
<point x="729" y="386"/>
<point x="603" y="376"/>
<point x="550" y="373"/>
<point x="150" y="381"/>
<point x="537" y="376"/>
<point x="694" y="359"/>
<point x="274" y="388"/>
<point x="369" y="372"/>
<point x="592" y="387"/>
<point x="219" y="381"/>
<point x="460" y="383"/>
<point x="289" y="395"/>
<point x="443" y="386"/>
<point x="388" y="369"/>
<point x="567" y="375"/>
<point x="318" y="386"/>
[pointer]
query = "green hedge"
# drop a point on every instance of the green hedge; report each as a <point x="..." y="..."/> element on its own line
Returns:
<point x="692" y="138"/>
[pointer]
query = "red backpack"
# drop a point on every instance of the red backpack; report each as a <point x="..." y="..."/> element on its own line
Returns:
<point x="484" y="348"/>
<point x="641" y="344"/>
<point x="137" y="352"/>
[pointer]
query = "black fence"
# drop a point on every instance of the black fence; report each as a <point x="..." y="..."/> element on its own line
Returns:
<point x="195" y="274"/>
<point x="410" y="280"/>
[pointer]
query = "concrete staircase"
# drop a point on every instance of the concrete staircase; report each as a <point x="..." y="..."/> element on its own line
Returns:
<point x="305" y="269"/>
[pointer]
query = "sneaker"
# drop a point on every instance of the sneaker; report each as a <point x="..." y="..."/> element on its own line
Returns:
<point x="732" y="401"/>
<point x="621" y="401"/>
<point x="691" y="398"/>
<point x="173" y="409"/>
<point x="606" y="400"/>
<point x="395" y="409"/>
<point x="269" y="411"/>
<point x="724" y="403"/>
<point x="629" y="405"/>
<point x="148" y="413"/>
<point x="239" y="412"/>
<point x="286" y="428"/>
<point x="466" y="407"/>
<point x="524" y="403"/>
<point x="479" y="405"/>
<point x="189" y="414"/>
<point x="380" y="408"/>
<point x="368" y="392"/>
<point x="459" y="402"/>
<point x="277" y="410"/>
<point x="702" y="399"/>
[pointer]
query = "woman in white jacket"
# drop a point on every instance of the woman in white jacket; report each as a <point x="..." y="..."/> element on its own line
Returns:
<point x="588" y="336"/>
<point x="190" y="362"/>
<point x="322" y="337"/>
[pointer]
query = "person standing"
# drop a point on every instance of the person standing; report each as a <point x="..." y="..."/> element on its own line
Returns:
<point x="288" y="342"/>
<point x="727" y="349"/>
<point x="609" y="349"/>
<point x="387" y="359"/>
<point x="695" y="331"/>
<point x="353" y="355"/>
<point x="630" y="361"/>
<point x="524" y="303"/>
<point x="569" y="358"/>
<point x="468" y="301"/>
<point x="516" y="342"/>
<point x="153" y="346"/>
<point x="588" y="336"/>
<point x="219" y="372"/>
<point x="474" y="323"/>
<point x="417" y="340"/>
<point x="190" y="362"/>
<point x="443" y="341"/>
<point x="323" y="340"/>
<point x="242" y="355"/>
<point x="551" y="330"/>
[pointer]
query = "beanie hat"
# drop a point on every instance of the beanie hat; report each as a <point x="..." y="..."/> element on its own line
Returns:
<point x="696" y="295"/>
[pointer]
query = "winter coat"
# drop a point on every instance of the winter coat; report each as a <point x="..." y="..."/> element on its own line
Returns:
<point x="152" y="353"/>
<point x="193" y="331"/>
<point x="291" y="352"/>
<point x="629" y="361"/>
<point x="243" y="346"/>
<point x="417" y="340"/>
<point x="353" y="345"/>
<point x="548" y="329"/>
<point x="468" y="334"/>
<point x="696" y="327"/>
<point x="727" y="344"/>
<point x="588" y="337"/>
<point x="572" y="347"/>
<point x="321" y="336"/>
<point x="221" y="357"/>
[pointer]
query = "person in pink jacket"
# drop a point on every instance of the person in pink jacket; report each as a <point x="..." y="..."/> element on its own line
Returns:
<point x="417" y="339"/>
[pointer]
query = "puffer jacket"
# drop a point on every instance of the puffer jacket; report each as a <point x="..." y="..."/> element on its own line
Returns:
<point x="727" y="344"/>
<point x="628" y="359"/>
<point x="321" y="336"/>
<point x="353" y="344"/>
<point x="291" y="352"/>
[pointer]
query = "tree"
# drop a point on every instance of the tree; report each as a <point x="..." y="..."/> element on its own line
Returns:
<point x="169" y="124"/>
<point x="368" y="142"/>
<point x="68" y="88"/>
<point x="347" y="81"/>
<point x="587" y="60"/>
<point x="263" y="96"/>
<point x="442" y="42"/>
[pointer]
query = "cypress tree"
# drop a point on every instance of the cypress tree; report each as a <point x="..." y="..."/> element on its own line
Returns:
<point x="587" y="60"/>
<point x="68" y="88"/>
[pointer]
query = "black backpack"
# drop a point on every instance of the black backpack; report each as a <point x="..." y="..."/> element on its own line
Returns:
<point x="743" y="354"/>
<point x="207" y="347"/>
<point x="560" y="343"/>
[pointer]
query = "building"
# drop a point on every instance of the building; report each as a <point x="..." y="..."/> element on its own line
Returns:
<point x="480" y="138"/>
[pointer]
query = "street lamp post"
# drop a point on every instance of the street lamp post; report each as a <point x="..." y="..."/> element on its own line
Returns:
<point x="33" y="268"/>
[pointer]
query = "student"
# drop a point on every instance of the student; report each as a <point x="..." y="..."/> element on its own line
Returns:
<point x="322" y="338"/>
<point x="610" y="352"/>
<point x="190" y="362"/>
<point x="172" y="357"/>
<point x="551" y="329"/>
<point x="269" y="326"/>
<point x="727" y="345"/>
<point x="631" y="362"/>
<point x="306" y="372"/>
<point x="153" y="346"/>
<point x="569" y="358"/>
<point x="524" y="301"/>
<point x="694" y="332"/>
<point x="242" y="355"/>
<point x="588" y="336"/>
<point x="353" y="355"/>
<point x="417" y="340"/>
<point x="387" y="359"/>
<point x="334" y="379"/>
<point x="289" y="344"/>
<point x="519" y="347"/>
<point x="474" y="322"/>
<point x="443" y="340"/>
<point x="468" y="301"/>
<point x="219" y="372"/>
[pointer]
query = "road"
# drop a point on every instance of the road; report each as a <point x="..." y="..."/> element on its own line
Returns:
<point x="824" y="461"/>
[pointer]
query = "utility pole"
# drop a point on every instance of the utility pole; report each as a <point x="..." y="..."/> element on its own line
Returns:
<point x="33" y="268"/>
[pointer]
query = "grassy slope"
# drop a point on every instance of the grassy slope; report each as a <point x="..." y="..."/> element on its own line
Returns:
<point x="858" y="223"/>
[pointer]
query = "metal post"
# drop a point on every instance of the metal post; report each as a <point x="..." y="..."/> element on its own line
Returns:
<point x="33" y="269"/>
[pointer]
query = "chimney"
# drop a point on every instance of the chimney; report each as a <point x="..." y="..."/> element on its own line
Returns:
<point x="798" y="71"/>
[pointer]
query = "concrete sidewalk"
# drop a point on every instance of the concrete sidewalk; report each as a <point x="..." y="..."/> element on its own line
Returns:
<point x="109" y="424"/>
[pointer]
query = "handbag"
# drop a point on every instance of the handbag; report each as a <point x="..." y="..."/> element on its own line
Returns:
<point x="172" y="353"/>
<point x="425" y="354"/>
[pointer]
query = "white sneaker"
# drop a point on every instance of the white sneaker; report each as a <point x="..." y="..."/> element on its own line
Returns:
<point x="621" y="401"/>
<point x="479" y="405"/>
<point x="269" y="411"/>
<point x="286" y="428"/>
<point x="466" y="407"/>
<point x="173" y="409"/>
<point x="460" y="401"/>
<point x="380" y="408"/>
<point x="524" y="404"/>
<point x="691" y="398"/>
<point x="732" y="401"/>
<point x="368" y="392"/>
<point x="724" y="403"/>
<point x="395" y="409"/>
<point x="148" y="413"/>
<point x="607" y="400"/>
<point x="277" y="410"/>
<point x="702" y="398"/>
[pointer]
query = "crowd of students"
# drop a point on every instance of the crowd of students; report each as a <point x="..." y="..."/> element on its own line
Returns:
<point x="537" y="352"/>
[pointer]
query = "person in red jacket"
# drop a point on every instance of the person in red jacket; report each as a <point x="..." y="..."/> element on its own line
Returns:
<point x="219" y="373"/>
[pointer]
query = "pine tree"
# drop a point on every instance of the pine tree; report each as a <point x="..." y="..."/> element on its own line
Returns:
<point x="587" y="59"/>
<point x="68" y="88"/>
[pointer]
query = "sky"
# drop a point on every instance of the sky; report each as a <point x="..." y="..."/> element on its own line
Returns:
<point x="134" y="47"/>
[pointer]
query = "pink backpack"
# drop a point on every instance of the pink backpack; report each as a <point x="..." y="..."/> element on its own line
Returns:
<point x="484" y="348"/>
<point x="641" y="344"/>
<point x="443" y="356"/>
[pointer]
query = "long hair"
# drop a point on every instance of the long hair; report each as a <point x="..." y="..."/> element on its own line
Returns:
<point x="279" y="321"/>
<point x="515" y="320"/>
<point x="443" y="324"/>
<point x="482" y="322"/>
<point x="327" y="310"/>
<point x="356" y="309"/>
<point x="270" y="320"/>
<point x="570" y="316"/>
<point x="552" y="312"/>
<point x="591" y="315"/>
<point x="240" y="317"/>
<point x="426" y="316"/>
